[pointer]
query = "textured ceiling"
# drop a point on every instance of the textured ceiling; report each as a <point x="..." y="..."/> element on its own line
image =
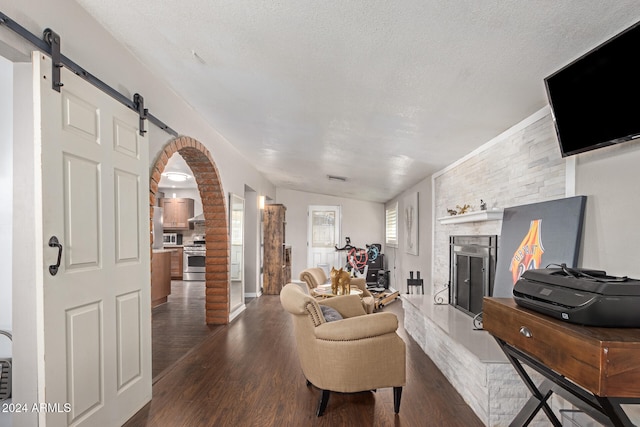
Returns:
<point x="382" y="93"/>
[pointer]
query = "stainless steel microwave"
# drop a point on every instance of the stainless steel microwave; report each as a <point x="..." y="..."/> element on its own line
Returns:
<point x="171" y="239"/>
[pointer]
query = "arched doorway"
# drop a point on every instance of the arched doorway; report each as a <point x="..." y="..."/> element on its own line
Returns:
<point x="215" y="216"/>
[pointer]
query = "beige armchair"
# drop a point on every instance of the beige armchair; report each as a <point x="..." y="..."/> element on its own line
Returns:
<point x="332" y="354"/>
<point x="315" y="277"/>
<point x="368" y="301"/>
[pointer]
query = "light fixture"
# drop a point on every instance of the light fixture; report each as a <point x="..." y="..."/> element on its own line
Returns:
<point x="176" y="176"/>
<point x="261" y="202"/>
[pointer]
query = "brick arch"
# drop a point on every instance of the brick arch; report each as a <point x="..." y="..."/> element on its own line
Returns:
<point x="215" y="219"/>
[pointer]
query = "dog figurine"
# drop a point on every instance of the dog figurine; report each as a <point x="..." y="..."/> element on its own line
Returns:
<point x="340" y="282"/>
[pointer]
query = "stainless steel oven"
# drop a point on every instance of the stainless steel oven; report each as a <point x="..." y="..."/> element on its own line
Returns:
<point x="194" y="262"/>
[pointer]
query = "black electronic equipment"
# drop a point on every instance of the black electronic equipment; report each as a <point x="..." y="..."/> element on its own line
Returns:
<point x="383" y="279"/>
<point x="582" y="296"/>
<point x="593" y="98"/>
<point x="375" y="270"/>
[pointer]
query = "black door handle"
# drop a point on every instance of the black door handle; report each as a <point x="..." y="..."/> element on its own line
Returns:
<point x="54" y="243"/>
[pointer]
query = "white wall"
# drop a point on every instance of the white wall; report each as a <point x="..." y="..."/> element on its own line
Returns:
<point x="6" y="193"/>
<point x="399" y="262"/>
<point x="362" y="221"/>
<point x="609" y="178"/>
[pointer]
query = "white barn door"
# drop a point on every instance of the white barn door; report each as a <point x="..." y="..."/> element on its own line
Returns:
<point x="97" y="315"/>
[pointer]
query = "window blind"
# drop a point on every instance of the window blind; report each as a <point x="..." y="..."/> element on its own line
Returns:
<point x="391" y="227"/>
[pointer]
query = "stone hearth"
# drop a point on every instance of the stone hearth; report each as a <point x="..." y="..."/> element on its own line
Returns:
<point x="470" y="359"/>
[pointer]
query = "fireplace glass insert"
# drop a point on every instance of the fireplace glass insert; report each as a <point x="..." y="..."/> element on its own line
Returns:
<point x="472" y="262"/>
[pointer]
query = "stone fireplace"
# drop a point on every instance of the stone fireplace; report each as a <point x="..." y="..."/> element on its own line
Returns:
<point x="472" y="261"/>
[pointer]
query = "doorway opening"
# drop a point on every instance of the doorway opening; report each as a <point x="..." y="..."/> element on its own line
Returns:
<point x="205" y="172"/>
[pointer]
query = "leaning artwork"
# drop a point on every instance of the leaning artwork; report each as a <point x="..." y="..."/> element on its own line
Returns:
<point x="538" y="235"/>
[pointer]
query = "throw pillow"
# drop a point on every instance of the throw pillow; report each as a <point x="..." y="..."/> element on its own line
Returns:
<point x="330" y="314"/>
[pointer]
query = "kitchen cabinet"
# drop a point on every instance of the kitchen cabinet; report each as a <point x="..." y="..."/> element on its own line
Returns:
<point x="277" y="255"/>
<point x="160" y="276"/>
<point x="177" y="261"/>
<point x="176" y="213"/>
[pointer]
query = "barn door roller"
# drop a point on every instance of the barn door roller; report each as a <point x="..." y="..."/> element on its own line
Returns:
<point x="138" y="100"/>
<point x="53" y="40"/>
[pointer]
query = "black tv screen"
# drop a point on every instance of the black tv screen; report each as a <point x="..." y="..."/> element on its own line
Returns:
<point x="595" y="100"/>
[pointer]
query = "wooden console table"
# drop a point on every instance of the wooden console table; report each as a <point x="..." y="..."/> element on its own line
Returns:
<point x="596" y="369"/>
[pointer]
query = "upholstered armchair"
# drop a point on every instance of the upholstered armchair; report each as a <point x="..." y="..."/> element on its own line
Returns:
<point x="315" y="277"/>
<point x="332" y="354"/>
<point x="368" y="301"/>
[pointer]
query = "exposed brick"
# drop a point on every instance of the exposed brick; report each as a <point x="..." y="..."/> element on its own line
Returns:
<point x="219" y="316"/>
<point x="208" y="175"/>
<point x="215" y="268"/>
<point x="221" y="290"/>
<point x="162" y="161"/>
<point x="213" y="276"/>
<point x="168" y="151"/>
<point x="210" y="194"/>
<point x="216" y="244"/>
<point x="213" y="197"/>
<point x="217" y="320"/>
<point x="213" y="299"/>
<point x="217" y="306"/>
<point x="153" y="188"/>
<point x="156" y="174"/>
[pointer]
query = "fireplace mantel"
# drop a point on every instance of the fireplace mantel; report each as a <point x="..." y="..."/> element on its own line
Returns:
<point x="489" y="215"/>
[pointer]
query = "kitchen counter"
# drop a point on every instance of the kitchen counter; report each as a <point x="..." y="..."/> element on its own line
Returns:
<point x="176" y="260"/>
<point x="167" y="249"/>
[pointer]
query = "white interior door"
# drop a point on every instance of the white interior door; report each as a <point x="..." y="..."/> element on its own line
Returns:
<point x="323" y="234"/>
<point x="97" y="316"/>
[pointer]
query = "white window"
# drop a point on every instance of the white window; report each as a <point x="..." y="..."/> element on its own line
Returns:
<point x="391" y="221"/>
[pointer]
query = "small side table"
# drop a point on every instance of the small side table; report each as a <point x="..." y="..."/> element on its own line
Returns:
<point x="595" y="369"/>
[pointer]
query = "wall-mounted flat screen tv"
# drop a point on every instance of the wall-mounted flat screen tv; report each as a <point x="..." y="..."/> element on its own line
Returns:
<point x="595" y="100"/>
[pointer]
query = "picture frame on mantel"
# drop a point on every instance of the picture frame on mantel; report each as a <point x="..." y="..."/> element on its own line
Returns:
<point x="410" y="220"/>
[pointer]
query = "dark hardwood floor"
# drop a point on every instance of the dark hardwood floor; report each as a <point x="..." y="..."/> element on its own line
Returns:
<point x="178" y="326"/>
<point x="247" y="374"/>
